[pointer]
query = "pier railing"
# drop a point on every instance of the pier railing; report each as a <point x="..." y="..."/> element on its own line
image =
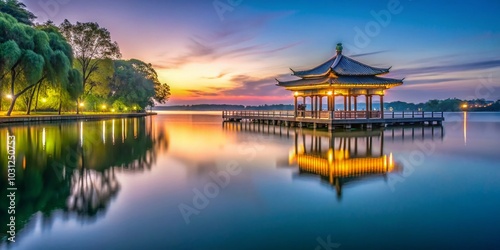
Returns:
<point x="250" y="114"/>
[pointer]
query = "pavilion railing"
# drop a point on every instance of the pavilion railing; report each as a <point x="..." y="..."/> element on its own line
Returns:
<point x="250" y="114"/>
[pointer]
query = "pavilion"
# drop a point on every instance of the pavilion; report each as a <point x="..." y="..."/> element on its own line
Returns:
<point x="340" y="76"/>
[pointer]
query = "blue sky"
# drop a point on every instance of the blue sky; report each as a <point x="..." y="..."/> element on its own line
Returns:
<point x="232" y="53"/>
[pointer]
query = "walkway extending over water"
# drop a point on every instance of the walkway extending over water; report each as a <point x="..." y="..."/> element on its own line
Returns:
<point x="58" y="118"/>
<point x="333" y="119"/>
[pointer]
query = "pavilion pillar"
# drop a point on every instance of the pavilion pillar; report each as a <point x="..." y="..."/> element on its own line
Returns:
<point x="355" y="106"/>
<point x="315" y="106"/>
<point x="355" y="103"/>
<point x="382" y="106"/>
<point x="320" y="106"/>
<point x="333" y="107"/>
<point x="312" y="104"/>
<point x="345" y="103"/>
<point x="329" y="103"/>
<point x="367" y="106"/>
<point x="295" y="101"/>
<point x="371" y="105"/>
<point x="350" y="103"/>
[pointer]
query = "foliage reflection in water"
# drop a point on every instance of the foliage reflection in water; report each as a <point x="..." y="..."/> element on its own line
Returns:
<point x="70" y="168"/>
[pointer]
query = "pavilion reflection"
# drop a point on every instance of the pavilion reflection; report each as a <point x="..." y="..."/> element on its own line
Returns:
<point x="342" y="159"/>
<point x="69" y="170"/>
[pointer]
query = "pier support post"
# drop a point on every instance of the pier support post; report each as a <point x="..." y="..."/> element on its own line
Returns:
<point x="331" y="128"/>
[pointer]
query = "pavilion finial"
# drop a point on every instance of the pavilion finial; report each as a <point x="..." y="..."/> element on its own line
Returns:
<point x="339" y="48"/>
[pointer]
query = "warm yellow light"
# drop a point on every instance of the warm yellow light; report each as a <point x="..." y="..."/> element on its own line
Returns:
<point x="113" y="110"/>
<point x="465" y="106"/>
<point x="82" y="104"/>
<point x="126" y="109"/>
<point x="330" y="93"/>
<point x="44" y="100"/>
<point x="103" y="106"/>
<point x="330" y="156"/>
<point x="9" y="96"/>
<point x="135" y="108"/>
<point x="296" y="94"/>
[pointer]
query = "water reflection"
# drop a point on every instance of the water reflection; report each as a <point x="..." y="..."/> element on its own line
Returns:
<point x="342" y="158"/>
<point x="72" y="167"/>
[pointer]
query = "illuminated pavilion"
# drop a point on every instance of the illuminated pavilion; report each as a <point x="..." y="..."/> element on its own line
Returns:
<point x="340" y="76"/>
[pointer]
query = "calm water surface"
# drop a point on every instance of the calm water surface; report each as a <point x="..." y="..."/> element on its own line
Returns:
<point x="186" y="181"/>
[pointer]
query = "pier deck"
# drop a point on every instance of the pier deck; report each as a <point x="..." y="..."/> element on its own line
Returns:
<point x="333" y="119"/>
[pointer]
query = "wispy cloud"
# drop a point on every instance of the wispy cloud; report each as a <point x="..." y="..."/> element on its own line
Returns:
<point x="439" y="70"/>
<point x="232" y="39"/>
<point x="370" y="53"/>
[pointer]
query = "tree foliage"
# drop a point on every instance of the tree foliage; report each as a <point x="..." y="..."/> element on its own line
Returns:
<point x="53" y="68"/>
<point x="91" y="45"/>
<point x="133" y="82"/>
<point x="30" y="56"/>
<point x="17" y="10"/>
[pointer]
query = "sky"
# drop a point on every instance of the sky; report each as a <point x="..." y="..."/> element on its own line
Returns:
<point x="231" y="51"/>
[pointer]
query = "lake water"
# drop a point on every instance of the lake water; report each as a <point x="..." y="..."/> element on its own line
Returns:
<point x="186" y="181"/>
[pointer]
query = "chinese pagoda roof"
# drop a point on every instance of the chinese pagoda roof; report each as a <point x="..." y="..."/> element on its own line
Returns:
<point x="340" y="81"/>
<point x="342" y="66"/>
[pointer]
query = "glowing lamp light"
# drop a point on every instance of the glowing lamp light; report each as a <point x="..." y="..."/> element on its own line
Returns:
<point x="135" y="108"/>
<point x="113" y="110"/>
<point x="296" y="94"/>
<point x="465" y="106"/>
<point x="103" y="106"/>
<point x="82" y="104"/>
<point x="330" y="93"/>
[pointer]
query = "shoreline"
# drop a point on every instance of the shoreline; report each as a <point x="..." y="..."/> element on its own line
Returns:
<point x="59" y="118"/>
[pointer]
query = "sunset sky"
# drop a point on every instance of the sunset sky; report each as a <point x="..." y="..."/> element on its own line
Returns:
<point x="232" y="53"/>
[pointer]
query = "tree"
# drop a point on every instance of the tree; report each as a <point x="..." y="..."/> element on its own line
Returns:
<point x="91" y="45"/>
<point x="136" y="83"/>
<point x="17" y="10"/>
<point x="39" y="54"/>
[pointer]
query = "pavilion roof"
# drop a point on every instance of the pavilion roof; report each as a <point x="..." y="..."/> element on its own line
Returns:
<point x="342" y="66"/>
<point x="342" y="80"/>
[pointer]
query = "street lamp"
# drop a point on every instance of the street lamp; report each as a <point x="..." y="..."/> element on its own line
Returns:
<point x="465" y="106"/>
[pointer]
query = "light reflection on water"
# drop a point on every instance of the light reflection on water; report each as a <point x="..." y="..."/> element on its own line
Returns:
<point x="415" y="186"/>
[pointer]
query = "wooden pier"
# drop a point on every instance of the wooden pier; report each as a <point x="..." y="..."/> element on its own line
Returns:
<point x="335" y="119"/>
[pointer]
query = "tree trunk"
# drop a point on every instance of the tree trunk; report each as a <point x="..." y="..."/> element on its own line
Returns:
<point x="60" y="106"/>
<point x="12" y="104"/>
<point x="28" y="112"/>
<point x="37" y="95"/>
<point x="78" y="106"/>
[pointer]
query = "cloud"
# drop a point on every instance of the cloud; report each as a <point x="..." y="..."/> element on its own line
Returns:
<point x="231" y="39"/>
<point x="219" y="76"/>
<point x="370" y="53"/>
<point x="433" y="81"/>
<point x="253" y="86"/>
<point x="450" y="68"/>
